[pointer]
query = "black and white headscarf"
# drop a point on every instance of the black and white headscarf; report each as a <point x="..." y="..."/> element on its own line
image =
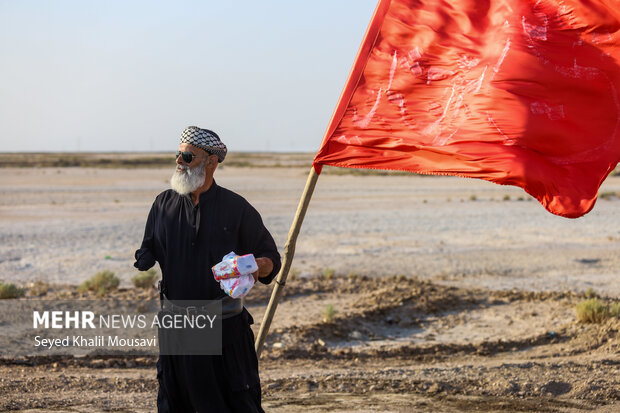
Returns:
<point x="204" y="139"/>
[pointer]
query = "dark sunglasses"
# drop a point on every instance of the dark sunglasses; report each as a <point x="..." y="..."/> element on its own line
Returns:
<point x="187" y="156"/>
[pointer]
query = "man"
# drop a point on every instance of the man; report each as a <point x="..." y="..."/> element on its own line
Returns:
<point x="189" y="229"/>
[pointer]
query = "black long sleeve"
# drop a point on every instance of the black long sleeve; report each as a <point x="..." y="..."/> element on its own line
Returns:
<point x="187" y="240"/>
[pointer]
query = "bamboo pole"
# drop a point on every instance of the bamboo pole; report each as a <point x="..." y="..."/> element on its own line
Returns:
<point x="287" y="260"/>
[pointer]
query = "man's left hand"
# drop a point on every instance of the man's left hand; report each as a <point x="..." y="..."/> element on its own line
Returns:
<point x="265" y="266"/>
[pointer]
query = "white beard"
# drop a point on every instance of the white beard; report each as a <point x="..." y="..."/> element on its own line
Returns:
<point x="188" y="179"/>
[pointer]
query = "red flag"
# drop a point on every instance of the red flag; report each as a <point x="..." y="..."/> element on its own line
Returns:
<point x="515" y="92"/>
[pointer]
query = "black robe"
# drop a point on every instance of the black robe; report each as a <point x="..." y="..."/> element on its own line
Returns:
<point x="186" y="241"/>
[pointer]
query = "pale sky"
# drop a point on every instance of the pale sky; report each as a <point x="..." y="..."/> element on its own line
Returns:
<point x="113" y="75"/>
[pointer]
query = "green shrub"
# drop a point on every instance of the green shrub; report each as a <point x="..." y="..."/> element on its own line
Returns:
<point x="145" y="279"/>
<point x="10" y="290"/>
<point x="102" y="283"/>
<point x="592" y="311"/>
<point x="328" y="313"/>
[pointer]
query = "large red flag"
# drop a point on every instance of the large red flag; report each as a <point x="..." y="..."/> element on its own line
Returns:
<point x="515" y="92"/>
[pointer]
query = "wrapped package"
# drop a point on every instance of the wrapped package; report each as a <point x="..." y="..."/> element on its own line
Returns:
<point x="234" y="273"/>
<point x="237" y="287"/>
<point x="233" y="266"/>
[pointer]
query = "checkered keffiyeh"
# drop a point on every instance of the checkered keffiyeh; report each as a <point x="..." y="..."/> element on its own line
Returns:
<point x="205" y="139"/>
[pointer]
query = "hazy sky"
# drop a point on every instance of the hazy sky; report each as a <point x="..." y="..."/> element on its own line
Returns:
<point x="131" y="75"/>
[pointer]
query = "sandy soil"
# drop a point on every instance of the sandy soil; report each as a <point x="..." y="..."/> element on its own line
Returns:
<point x="448" y="295"/>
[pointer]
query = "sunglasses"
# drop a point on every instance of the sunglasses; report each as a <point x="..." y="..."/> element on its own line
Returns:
<point x="187" y="156"/>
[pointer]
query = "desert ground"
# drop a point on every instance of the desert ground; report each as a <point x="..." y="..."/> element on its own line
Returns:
<point x="446" y="294"/>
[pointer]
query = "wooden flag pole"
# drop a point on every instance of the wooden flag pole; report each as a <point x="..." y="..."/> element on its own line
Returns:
<point x="287" y="259"/>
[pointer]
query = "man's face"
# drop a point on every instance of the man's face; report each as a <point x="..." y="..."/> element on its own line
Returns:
<point x="198" y="156"/>
<point x="188" y="177"/>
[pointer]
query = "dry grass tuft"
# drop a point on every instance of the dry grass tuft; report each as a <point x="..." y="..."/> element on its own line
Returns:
<point x="38" y="288"/>
<point x="145" y="279"/>
<point x="592" y="311"/>
<point x="608" y="195"/>
<point x="102" y="283"/>
<point x="10" y="290"/>
<point x="329" y="273"/>
<point x="293" y="273"/>
<point x="590" y="293"/>
<point x="328" y="313"/>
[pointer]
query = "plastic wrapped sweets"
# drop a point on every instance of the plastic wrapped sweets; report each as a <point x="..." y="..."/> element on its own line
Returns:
<point x="233" y="265"/>
<point x="237" y="287"/>
<point x="234" y="273"/>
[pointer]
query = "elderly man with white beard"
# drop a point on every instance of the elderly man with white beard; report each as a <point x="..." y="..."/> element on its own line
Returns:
<point x="189" y="229"/>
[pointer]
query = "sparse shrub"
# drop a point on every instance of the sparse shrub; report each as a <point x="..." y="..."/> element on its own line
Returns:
<point x="590" y="293"/>
<point x="328" y="313"/>
<point x="145" y="279"/>
<point x="473" y="198"/>
<point x="506" y="198"/>
<point x="592" y="311"/>
<point x="10" y="290"/>
<point x="38" y="288"/>
<point x="328" y="273"/>
<point x="102" y="283"/>
<point x="614" y="309"/>
<point x="293" y="274"/>
<point x="352" y="276"/>
<point x="607" y="195"/>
